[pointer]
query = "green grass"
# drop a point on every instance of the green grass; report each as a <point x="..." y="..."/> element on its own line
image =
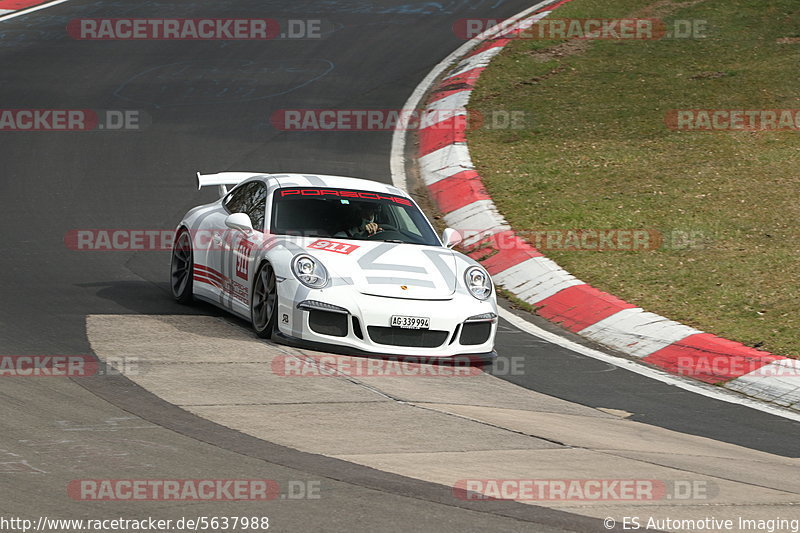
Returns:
<point x="598" y="155"/>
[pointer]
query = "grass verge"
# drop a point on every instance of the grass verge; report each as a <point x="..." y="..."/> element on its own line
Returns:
<point x="598" y="155"/>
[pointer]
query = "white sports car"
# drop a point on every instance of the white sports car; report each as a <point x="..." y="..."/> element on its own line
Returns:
<point x="333" y="263"/>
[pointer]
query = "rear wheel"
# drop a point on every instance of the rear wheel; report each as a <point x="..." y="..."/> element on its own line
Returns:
<point x="181" y="268"/>
<point x="264" y="304"/>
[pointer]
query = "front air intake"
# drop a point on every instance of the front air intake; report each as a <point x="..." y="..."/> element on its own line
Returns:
<point x="412" y="338"/>
<point x="327" y="323"/>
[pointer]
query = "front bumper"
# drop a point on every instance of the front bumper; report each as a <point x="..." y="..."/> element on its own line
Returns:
<point x="338" y="317"/>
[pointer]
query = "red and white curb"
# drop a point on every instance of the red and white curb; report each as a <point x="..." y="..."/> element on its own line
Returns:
<point x="447" y="170"/>
<point x="13" y="8"/>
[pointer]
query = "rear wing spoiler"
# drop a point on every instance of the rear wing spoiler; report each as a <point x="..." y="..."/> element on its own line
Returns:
<point x="221" y="179"/>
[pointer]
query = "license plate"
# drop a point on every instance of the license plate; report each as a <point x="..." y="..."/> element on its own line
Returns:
<point x="410" y="322"/>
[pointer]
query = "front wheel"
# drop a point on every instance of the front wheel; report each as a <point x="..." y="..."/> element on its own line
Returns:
<point x="181" y="268"/>
<point x="264" y="304"/>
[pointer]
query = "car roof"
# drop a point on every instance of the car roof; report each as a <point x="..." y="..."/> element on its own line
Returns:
<point x="333" y="182"/>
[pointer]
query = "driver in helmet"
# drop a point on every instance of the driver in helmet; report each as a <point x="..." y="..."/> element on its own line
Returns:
<point x="367" y="212"/>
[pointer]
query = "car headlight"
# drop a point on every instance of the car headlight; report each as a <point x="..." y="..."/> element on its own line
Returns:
<point x="309" y="271"/>
<point x="478" y="282"/>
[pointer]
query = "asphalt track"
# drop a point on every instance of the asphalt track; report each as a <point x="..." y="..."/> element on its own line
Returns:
<point x="208" y="104"/>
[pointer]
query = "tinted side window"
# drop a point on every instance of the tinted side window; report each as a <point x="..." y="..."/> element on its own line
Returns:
<point x="237" y="199"/>
<point x="257" y="206"/>
<point x="251" y="199"/>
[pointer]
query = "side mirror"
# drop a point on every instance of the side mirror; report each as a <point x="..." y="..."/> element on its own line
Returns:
<point x="239" y="221"/>
<point x="451" y="237"/>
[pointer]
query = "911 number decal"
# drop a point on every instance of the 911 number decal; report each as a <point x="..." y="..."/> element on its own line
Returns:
<point x="243" y="252"/>
<point x="334" y="246"/>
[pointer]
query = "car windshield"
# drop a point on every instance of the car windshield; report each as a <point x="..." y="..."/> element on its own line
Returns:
<point x="349" y="214"/>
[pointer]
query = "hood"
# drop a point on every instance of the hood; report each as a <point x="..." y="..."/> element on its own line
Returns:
<point x="394" y="270"/>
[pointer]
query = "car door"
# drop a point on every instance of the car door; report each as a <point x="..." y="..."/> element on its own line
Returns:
<point x="240" y="257"/>
<point x="207" y="243"/>
<point x="214" y="243"/>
